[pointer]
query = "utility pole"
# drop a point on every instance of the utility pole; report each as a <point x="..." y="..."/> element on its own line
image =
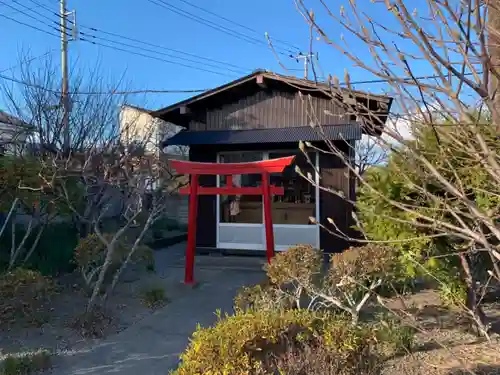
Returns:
<point x="64" y="67"/>
<point x="307" y="60"/>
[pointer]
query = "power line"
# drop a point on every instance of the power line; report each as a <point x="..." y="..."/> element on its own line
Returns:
<point x="28" y="61"/>
<point x="234" y="22"/>
<point x="118" y="92"/>
<point x="13" y="13"/>
<point x="90" y="36"/>
<point x="223" y="29"/>
<point x="113" y="92"/>
<point x="163" y="47"/>
<point x="209" y="71"/>
<point x="386" y="80"/>
<point x="201" y="20"/>
<point x="152" y="57"/>
<point x="146" y="43"/>
<point x="239" y="70"/>
<point x="125" y="50"/>
<point x="28" y="25"/>
<point x="40" y="5"/>
<point x="168" y="61"/>
<point x="26" y="14"/>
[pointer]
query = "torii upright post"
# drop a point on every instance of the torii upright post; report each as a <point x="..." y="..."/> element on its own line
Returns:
<point x="195" y="169"/>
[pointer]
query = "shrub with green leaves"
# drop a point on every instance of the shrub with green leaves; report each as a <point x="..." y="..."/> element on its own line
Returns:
<point x="406" y="181"/>
<point x="47" y="257"/>
<point x="22" y="295"/>
<point x="294" y="273"/>
<point x="355" y="275"/>
<point x="363" y="264"/>
<point x="296" y="279"/>
<point x="162" y="228"/>
<point x="393" y="336"/>
<point x="253" y="342"/>
<point x="261" y="297"/>
<point x="25" y="363"/>
<point x="301" y="263"/>
<point x="154" y="297"/>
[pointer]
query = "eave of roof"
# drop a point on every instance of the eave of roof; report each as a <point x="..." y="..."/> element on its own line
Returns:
<point x="267" y="135"/>
<point x="299" y="84"/>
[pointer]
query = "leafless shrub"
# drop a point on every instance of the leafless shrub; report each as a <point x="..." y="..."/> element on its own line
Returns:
<point x="317" y="360"/>
<point x="112" y="172"/>
<point x="457" y="107"/>
<point x="297" y="280"/>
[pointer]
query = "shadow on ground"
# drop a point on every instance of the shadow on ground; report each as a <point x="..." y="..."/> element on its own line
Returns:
<point x="152" y="345"/>
<point x="478" y="370"/>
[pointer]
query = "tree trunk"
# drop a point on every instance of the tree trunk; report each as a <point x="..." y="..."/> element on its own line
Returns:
<point x="493" y="32"/>
<point x="473" y="303"/>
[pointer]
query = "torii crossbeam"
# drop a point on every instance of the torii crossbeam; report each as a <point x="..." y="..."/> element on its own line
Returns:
<point x="195" y="169"/>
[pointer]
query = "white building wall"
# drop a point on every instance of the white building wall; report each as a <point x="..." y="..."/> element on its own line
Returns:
<point x="138" y="125"/>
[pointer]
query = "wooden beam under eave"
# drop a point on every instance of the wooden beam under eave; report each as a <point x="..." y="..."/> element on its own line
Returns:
<point x="184" y="110"/>
<point x="261" y="82"/>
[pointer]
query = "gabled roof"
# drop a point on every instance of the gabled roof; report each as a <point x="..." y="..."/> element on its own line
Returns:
<point x="246" y="85"/>
<point x="8" y="119"/>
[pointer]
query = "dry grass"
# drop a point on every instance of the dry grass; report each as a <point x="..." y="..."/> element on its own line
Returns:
<point x="93" y="324"/>
<point x="446" y="342"/>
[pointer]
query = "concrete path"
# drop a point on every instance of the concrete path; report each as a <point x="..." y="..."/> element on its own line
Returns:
<point x="152" y="346"/>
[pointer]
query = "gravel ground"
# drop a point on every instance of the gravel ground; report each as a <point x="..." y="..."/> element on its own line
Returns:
<point x="125" y="307"/>
<point x="446" y="344"/>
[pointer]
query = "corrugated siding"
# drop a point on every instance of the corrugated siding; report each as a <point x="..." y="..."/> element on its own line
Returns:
<point x="272" y="110"/>
<point x="276" y="135"/>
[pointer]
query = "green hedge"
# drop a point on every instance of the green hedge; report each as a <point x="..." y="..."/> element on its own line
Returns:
<point x="253" y="342"/>
<point x="54" y="252"/>
<point x="162" y="226"/>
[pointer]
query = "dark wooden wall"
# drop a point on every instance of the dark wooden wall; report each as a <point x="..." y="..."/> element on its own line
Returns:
<point x="333" y="175"/>
<point x="270" y="109"/>
<point x="206" y="223"/>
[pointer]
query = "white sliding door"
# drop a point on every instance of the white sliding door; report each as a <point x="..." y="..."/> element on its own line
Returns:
<point x="241" y="219"/>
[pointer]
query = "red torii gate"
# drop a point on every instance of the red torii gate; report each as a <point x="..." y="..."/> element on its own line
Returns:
<point x="195" y="169"/>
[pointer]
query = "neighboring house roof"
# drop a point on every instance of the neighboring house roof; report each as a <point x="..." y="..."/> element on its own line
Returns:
<point x="241" y="87"/>
<point x="12" y="130"/>
<point x="8" y="119"/>
<point x="136" y="108"/>
<point x="277" y="135"/>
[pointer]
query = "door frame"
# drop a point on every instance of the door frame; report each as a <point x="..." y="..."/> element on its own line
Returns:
<point x="261" y="247"/>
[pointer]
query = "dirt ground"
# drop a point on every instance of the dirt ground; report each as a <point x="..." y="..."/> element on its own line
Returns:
<point x="446" y="343"/>
<point x="55" y="329"/>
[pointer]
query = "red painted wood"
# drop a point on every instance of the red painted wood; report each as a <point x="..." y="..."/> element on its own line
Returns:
<point x="229" y="180"/>
<point x="268" y="218"/>
<point x="227" y="190"/>
<point x="195" y="169"/>
<point x="191" y="242"/>
<point x="258" y="167"/>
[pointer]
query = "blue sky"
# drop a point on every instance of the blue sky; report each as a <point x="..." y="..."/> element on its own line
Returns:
<point x="145" y="21"/>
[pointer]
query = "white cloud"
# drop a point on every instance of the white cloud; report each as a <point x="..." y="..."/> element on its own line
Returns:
<point x="397" y="130"/>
